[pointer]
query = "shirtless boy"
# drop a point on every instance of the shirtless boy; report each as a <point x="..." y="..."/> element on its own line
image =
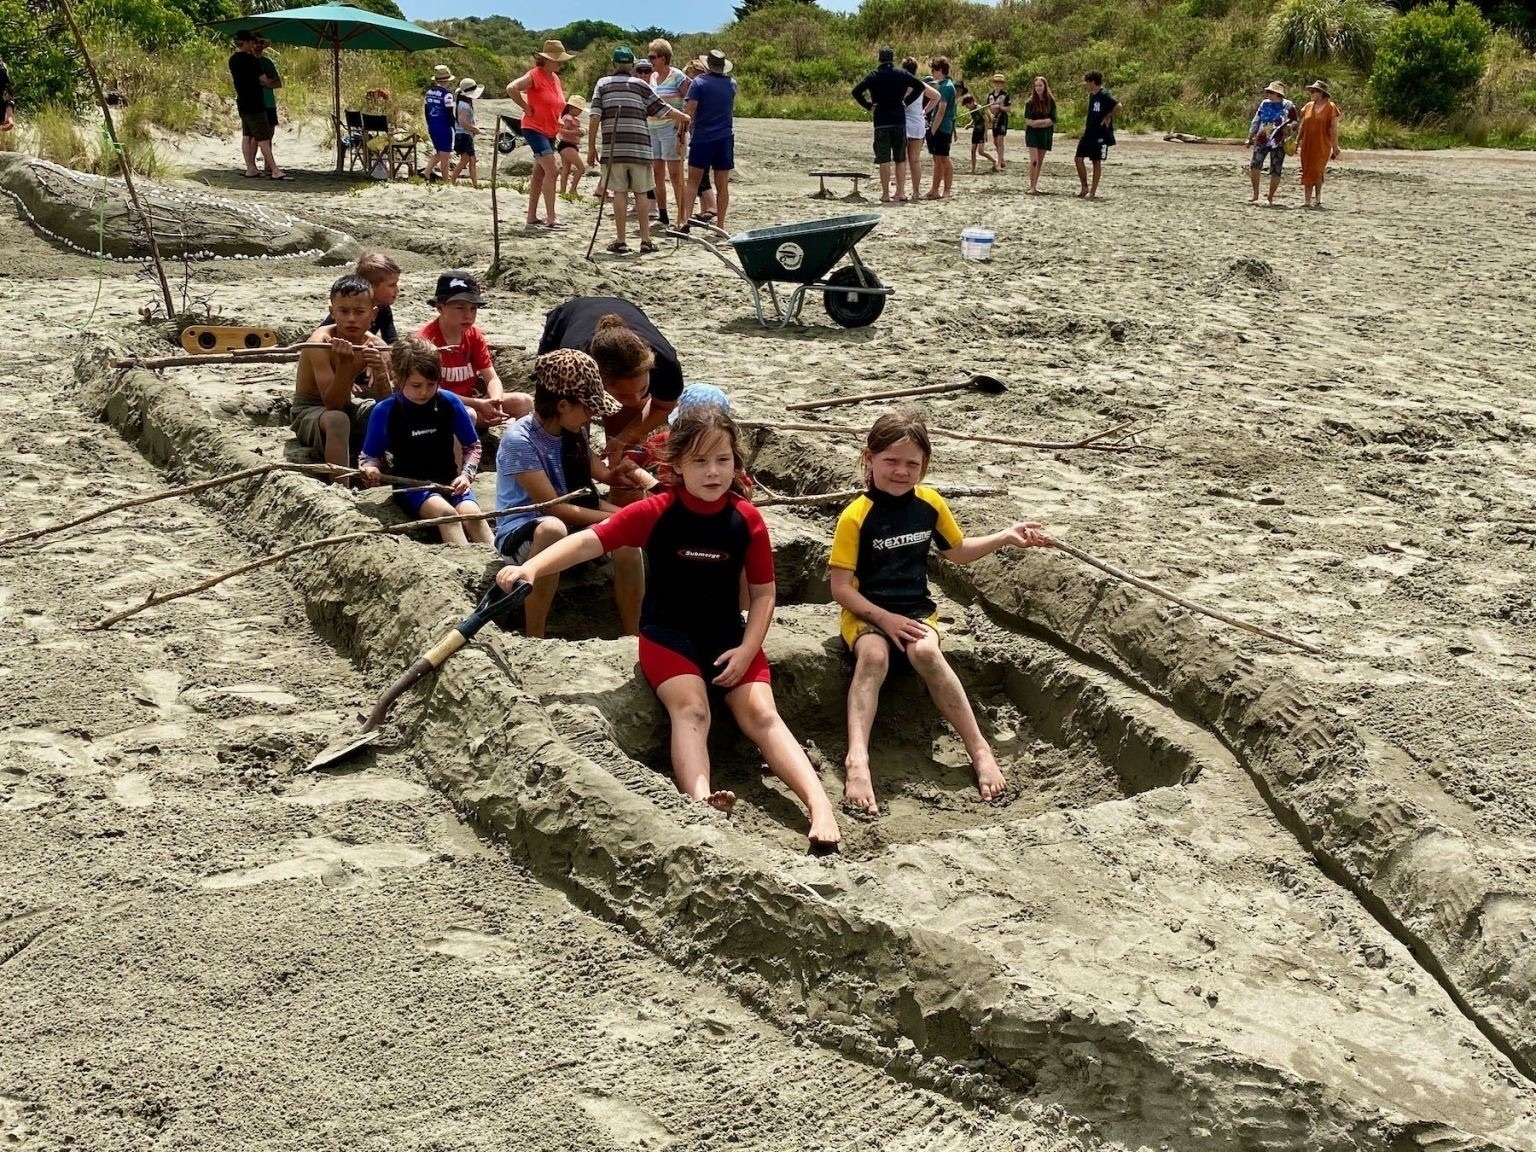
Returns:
<point x="330" y="406"/>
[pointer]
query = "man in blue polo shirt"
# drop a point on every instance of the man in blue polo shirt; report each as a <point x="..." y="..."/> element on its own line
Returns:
<point x="886" y="92"/>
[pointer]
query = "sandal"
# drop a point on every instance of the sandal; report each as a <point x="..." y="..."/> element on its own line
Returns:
<point x="618" y="249"/>
<point x="646" y="248"/>
<point x="705" y="216"/>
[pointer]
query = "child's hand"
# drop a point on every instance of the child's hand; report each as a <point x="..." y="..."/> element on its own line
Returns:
<point x="1028" y="536"/>
<point x="460" y="484"/>
<point x="375" y="359"/>
<point x="902" y="630"/>
<point x="736" y="662"/>
<point x="508" y="577"/>
<point x="344" y="347"/>
<point x="370" y="474"/>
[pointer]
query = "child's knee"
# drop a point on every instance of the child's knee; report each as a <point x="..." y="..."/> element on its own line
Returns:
<point x="925" y="654"/>
<point x="691" y="710"/>
<point x="872" y="654"/>
<point x="549" y="530"/>
<point x="756" y="713"/>
<point x="335" y="424"/>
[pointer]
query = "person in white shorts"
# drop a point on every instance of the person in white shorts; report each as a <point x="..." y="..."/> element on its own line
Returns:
<point x="917" y="129"/>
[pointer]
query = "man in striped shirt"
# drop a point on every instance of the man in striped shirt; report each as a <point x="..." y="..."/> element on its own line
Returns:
<point x="620" y="106"/>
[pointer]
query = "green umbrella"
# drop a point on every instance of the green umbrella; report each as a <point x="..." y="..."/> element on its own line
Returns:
<point x="336" y="26"/>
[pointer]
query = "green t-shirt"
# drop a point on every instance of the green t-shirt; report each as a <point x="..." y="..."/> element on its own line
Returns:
<point x="269" y="95"/>
<point x="946" y="88"/>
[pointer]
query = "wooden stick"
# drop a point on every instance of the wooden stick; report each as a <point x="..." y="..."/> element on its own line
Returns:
<point x="334" y="471"/>
<point x="283" y="352"/>
<point x="159" y="598"/>
<point x="1214" y="613"/>
<point x="122" y="158"/>
<point x="1092" y="443"/>
<point x="948" y="492"/>
<point x="892" y="394"/>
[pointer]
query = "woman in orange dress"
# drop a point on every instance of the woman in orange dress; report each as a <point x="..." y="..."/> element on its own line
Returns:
<point x="1317" y="141"/>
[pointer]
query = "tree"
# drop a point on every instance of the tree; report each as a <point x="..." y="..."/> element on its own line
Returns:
<point x="1428" y="59"/>
<point x="747" y="7"/>
<point x="1305" y="32"/>
<point x="41" y="69"/>
<point x="580" y="34"/>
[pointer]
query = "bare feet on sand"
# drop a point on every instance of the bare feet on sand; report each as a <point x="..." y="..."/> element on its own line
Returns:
<point x="990" y="781"/>
<point x="825" y="834"/>
<point x="858" y="788"/>
<point x="721" y="801"/>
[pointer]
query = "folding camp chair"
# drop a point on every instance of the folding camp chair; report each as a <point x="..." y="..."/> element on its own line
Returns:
<point x="350" y="140"/>
<point x="396" y="148"/>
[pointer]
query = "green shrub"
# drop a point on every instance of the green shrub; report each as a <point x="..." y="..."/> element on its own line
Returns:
<point x="40" y="68"/>
<point x="1305" y="32"/>
<point x="980" y="59"/>
<point x="1428" y="60"/>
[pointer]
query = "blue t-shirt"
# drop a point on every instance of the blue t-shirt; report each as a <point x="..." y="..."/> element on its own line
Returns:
<point x="526" y="448"/>
<point x="438" y="107"/>
<point x="946" y="89"/>
<point x="716" y="95"/>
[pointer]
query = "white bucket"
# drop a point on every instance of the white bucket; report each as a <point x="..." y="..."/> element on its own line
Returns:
<point x="976" y="243"/>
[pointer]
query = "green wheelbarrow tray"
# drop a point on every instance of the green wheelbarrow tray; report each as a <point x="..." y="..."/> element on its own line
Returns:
<point x="803" y="255"/>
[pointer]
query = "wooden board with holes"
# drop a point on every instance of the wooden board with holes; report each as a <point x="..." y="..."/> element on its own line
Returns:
<point x="225" y="338"/>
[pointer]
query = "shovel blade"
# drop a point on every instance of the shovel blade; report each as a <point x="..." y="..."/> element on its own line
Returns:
<point x="339" y="750"/>
<point x="991" y="385"/>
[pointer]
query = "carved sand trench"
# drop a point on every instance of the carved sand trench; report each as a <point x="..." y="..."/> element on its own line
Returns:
<point x="1157" y="956"/>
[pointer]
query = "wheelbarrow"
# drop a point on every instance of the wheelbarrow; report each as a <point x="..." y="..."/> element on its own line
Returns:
<point x="802" y="255"/>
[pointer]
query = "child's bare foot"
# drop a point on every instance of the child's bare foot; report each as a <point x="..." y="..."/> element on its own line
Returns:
<point x="1254" y="199"/>
<point x="859" y="788"/>
<point x="825" y="835"/>
<point x="1082" y="194"/>
<point x="721" y="801"/>
<point x="990" y="781"/>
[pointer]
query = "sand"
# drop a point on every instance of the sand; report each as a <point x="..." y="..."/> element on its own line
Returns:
<point x="1188" y="926"/>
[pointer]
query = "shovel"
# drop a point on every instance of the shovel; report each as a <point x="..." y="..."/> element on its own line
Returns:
<point x="978" y="381"/>
<point x="491" y="605"/>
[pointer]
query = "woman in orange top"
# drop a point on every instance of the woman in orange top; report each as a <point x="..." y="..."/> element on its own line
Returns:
<point x="542" y="101"/>
<point x="1317" y="141"/>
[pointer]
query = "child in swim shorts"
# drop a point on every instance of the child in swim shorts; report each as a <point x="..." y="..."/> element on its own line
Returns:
<point x="696" y="651"/>
<point x="880" y="578"/>
<point x="417" y="428"/>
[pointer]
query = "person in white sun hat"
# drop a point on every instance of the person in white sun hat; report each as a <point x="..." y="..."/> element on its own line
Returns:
<point x="465" y="130"/>
<point x="1272" y="121"/>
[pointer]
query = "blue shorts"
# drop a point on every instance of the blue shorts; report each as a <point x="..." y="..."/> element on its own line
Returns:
<point x="541" y="144"/>
<point x="412" y="501"/>
<point x="442" y="137"/>
<point x="717" y="155"/>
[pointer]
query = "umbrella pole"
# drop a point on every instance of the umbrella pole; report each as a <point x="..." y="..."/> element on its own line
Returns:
<point x="336" y="97"/>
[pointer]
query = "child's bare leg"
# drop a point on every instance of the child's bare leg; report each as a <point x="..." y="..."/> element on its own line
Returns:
<point x="433" y="507"/>
<point x="549" y="530"/>
<point x="477" y="531"/>
<point x="997" y="143"/>
<point x="974" y="147"/>
<point x="872" y="656"/>
<point x="949" y="694"/>
<point x="336" y="439"/>
<point x="474" y="173"/>
<point x="758" y="718"/>
<point x="628" y="588"/>
<point x="687" y="703"/>
<point x="1098" y="168"/>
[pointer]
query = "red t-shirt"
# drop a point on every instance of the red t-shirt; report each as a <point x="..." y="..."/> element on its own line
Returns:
<point x="545" y="100"/>
<point x="462" y="364"/>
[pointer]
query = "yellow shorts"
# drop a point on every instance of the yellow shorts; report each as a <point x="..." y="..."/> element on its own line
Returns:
<point x="851" y="627"/>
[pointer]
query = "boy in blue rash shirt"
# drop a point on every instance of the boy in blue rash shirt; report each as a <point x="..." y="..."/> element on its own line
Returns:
<point x="418" y="427"/>
<point x="879" y="568"/>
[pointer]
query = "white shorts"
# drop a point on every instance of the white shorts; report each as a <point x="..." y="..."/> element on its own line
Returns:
<point x="664" y="142"/>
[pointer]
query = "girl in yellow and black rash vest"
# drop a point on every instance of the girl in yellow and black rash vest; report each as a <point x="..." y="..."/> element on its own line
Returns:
<point x="880" y="578"/>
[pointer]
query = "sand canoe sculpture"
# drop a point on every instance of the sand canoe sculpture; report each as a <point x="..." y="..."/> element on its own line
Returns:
<point x="91" y="213"/>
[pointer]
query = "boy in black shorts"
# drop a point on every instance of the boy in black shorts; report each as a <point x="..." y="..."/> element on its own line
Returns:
<point x="1098" y="133"/>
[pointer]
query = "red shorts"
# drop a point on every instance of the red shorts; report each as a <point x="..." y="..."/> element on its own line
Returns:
<point x="684" y="655"/>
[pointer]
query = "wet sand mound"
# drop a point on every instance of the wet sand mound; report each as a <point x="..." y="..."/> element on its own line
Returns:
<point x="1160" y="954"/>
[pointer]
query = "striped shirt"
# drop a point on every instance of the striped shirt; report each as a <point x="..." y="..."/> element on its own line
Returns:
<point x="624" y="102"/>
<point x="670" y="89"/>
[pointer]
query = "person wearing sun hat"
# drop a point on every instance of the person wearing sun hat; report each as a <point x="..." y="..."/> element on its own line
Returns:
<point x="1266" y="136"/>
<point x="438" y="111"/>
<point x="538" y="94"/>
<point x="465" y="130"/>
<point x="998" y="103"/>
<point x="712" y="133"/>
<point x="621" y="106"/>
<point x="1317" y="141"/>
<point x="535" y="463"/>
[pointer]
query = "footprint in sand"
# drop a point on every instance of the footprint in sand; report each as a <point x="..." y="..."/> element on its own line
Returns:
<point x="626" y="1125"/>
<point x="323" y="859"/>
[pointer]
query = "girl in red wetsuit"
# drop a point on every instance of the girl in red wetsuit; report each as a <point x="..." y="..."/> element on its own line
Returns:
<point x="699" y="536"/>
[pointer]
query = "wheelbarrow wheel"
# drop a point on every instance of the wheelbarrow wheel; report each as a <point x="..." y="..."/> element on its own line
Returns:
<point x="853" y="309"/>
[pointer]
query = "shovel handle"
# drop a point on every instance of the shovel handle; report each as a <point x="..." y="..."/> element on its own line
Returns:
<point x="893" y="394"/>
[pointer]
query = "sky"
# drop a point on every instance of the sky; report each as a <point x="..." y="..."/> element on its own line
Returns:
<point x="673" y="15"/>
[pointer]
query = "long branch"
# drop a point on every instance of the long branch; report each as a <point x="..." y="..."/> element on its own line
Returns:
<point x="278" y="354"/>
<point x="159" y="598"/>
<point x="334" y="471"/>
<point x="1183" y="601"/>
<point x="1093" y="443"/>
<point x="948" y="492"/>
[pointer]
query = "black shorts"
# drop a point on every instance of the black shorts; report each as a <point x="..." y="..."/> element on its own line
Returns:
<point x="463" y="144"/>
<point x="978" y="135"/>
<point x="939" y="142"/>
<point x="1089" y="148"/>
<point x="891" y="144"/>
<point x="562" y="145"/>
<point x="1274" y="154"/>
<point x="272" y="117"/>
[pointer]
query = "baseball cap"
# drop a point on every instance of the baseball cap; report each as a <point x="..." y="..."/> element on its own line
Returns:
<point x="245" y="36"/>
<point x="700" y="395"/>
<point x="623" y="55"/>
<point x="572" y="375"/>
<point x="887" y="55"/>
<point x="458" y="285"/>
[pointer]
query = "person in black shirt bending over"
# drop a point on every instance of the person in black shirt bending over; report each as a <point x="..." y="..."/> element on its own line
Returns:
<point x="886" y="92"/>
